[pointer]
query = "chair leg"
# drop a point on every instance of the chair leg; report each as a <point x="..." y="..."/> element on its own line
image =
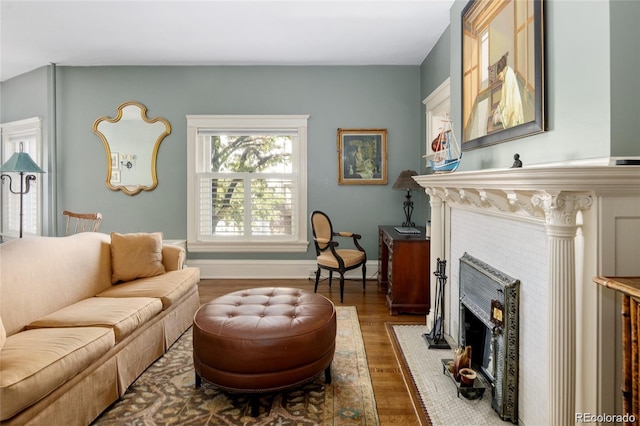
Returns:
<point x="315" y="289"/>
<point x="341" y="287"/>
<point x="330" y="278"/>
<point x="364" y="277"/>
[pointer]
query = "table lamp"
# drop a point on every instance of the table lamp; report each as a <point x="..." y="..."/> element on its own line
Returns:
<point x="20" y="162"/>
<point x="406" y="182"/>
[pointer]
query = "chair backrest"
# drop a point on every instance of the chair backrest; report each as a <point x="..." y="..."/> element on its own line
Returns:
<point x="81" y="222"/>
<point x="321" y="226"/>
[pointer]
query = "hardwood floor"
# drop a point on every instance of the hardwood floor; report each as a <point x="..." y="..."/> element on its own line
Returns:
<point x="392" y="398"/>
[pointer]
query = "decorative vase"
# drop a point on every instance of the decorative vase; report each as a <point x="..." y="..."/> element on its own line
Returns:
<point x="462" y="360"/>
<point x="467" y="376"/>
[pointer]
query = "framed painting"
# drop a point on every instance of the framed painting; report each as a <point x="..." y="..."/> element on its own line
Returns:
<point x="115" y="160"/>
<point x="362" y="156"/>
<point x="503" y="95"/>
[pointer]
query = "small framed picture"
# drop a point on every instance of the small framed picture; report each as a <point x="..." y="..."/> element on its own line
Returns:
<point x="115" y="176"/>
<point x="362" y="156"/>
<point x="115" y="161"/>
<point x="497" y="313"/>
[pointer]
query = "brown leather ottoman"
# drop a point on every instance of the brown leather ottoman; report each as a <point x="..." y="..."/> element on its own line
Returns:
<point x="264" y="339"/>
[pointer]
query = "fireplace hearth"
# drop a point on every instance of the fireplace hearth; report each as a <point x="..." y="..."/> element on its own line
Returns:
<point x="489" y="302"/>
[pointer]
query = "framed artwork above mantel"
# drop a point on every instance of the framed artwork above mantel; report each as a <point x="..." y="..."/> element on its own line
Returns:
<point x="503" y="94"/>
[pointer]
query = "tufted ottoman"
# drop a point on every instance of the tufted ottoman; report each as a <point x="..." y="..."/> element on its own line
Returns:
<point x="264" y="339"/>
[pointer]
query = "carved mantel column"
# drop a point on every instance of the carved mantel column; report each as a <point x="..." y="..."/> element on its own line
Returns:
<point x="437" y="245"/>
<point x="560" y="210"/>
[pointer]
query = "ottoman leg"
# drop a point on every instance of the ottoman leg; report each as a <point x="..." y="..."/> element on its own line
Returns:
<point x="254" y="403"/>
<point x="327" y="375"/>
<point x="198" y="380"/>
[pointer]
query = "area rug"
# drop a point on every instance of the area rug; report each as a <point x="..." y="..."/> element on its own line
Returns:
<point x="165" y="393"/>
<point x="432" y="391"/>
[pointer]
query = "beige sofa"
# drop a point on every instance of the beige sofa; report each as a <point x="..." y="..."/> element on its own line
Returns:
<point x="82" y="317"/>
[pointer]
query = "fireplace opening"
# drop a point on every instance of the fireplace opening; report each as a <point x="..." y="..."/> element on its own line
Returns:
<point x="480" y="338"/>
<point x="488" y="310"/>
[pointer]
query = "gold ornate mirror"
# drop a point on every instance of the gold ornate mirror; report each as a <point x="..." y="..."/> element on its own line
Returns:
<point x="131" y="141"/>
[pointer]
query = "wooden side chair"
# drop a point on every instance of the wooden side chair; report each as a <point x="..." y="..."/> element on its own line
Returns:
<point x="81" y="222"/>
<point x="330" y="257"/>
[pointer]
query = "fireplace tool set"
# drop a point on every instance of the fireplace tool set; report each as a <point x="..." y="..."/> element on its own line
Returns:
<point x="435" y="338"/>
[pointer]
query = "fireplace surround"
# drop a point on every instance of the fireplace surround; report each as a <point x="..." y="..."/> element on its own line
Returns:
<point x="575" y="221"/>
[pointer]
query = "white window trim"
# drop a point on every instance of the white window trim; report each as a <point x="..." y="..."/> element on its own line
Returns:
<point x="245" y="122"/>
<point x="437" y="105"/>
<point x="30" y="126"/>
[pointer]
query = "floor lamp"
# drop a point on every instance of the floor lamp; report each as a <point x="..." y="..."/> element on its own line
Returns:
<point x="20" y="162"/>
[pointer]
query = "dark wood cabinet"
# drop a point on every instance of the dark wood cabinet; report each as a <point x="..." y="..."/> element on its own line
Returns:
<point x="403" y="270"/>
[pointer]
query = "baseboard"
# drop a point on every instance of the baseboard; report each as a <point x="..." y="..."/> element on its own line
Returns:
<point x="268" y="269"/>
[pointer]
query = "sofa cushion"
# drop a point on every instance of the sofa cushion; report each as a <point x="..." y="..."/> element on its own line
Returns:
<point x="124" y="315"/>
<point x="136" y="255"/>
<point x="35" y="362"/>
<point x="169" y="288"/>
<point x="40" y="275"/>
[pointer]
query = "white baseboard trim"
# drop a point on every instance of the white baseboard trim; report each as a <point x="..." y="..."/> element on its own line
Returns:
<point x="268" y="269"/>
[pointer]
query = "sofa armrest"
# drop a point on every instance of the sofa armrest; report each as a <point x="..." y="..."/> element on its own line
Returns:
<point x="173" y="257"/>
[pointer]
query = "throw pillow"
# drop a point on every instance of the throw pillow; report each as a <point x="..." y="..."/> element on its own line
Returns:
<point x="137" y="255"/>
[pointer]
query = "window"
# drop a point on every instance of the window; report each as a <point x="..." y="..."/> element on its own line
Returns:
<point x="28" y="133"/>
<point x="484" y="60"/>
<point x="247" y="183"/>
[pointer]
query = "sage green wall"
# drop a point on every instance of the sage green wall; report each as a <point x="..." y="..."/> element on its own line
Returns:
<point x="590" y="89"/>
<point x="348" y="97"/>
<point x="625" y="86"/>
<point x="26" y="96"/>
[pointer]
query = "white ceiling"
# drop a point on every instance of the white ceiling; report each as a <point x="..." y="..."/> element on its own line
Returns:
<point x="216" y="32"/>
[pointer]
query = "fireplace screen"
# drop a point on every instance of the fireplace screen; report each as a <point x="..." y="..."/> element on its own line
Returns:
<point x="489" y="324"/>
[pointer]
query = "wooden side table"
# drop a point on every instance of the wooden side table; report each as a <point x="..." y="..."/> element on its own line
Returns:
<point x="629" y="287"/>
<point x="403" y="270"/>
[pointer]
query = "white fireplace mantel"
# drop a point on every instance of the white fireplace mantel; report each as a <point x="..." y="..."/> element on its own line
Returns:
<point x="515" y="191"/>
<point x="568" y="201"/>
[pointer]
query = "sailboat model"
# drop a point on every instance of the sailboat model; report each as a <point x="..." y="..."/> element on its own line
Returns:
<point x="446" y="148"/>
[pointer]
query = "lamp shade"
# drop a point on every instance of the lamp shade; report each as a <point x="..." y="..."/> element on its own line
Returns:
<point x="20" y="162"/>
<point x="405" y="181"/>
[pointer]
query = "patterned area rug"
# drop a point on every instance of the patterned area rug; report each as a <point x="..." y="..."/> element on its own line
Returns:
<point x="433" y="392"/>
<point x="165" y="393"/>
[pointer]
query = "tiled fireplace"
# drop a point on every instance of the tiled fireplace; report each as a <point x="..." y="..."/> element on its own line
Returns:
<point x="553" y="228"/>
<point x="519" y="250"/>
